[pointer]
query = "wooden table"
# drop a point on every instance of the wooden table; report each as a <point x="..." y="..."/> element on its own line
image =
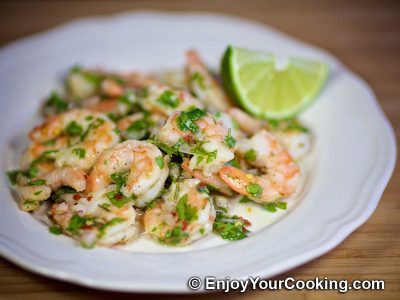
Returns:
<point x="365" y="35"/>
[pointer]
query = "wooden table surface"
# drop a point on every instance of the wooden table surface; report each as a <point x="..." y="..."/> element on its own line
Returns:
<point x="364" y="35"/>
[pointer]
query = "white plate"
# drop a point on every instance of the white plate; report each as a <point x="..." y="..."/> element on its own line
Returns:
<point x="353" y="157"/>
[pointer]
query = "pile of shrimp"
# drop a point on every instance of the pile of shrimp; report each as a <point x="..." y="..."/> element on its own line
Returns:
<point x="158" y="155"/>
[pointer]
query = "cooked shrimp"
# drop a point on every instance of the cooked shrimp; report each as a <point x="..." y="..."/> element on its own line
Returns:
<point x="203" y="84"/>
<point x="89" y="134"/>
<point x="32" y="196"/>
<point x="184" y="217"/>
<point x="35" y="190"/>
<point x="66" y="176"/>
<point x="146" y="164"/>
<point x="204" y="139"/>
<point x="213" y="181"/>
<point x="281" y="173"/>
<point x="163" y="100"/>
<point x="36" y="152"/>
<point x="94" y="220"/>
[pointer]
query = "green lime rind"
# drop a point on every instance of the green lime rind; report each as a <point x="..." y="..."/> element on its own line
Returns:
<point x="271" y="106"/>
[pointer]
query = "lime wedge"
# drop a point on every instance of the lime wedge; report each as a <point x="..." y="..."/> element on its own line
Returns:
<point x="268" y="87"/>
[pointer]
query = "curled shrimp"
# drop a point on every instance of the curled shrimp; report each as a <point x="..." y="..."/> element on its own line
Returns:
<point x="95" y="220"/>
<point x="147" y="168"/>
<point x="88" y="134"/>
<point x="34" y="191"/>
<point x="37" y="152"/>
<point x="281" y="173"/>
<point x="205" y="139"/>
<point x="203" y="84"/>
<point x="162" y="100"/>
<point x="184" y="217"/>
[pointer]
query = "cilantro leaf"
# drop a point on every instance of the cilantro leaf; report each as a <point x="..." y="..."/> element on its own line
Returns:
<point x="230" y="141"/>
<point x="230" y="227"/>
<point x="168" y="98"/>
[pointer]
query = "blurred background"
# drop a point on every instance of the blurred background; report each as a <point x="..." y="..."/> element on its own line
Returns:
<point x="364" y="35"/>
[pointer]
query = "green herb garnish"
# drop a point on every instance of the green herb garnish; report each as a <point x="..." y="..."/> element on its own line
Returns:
<point x="186" y="120"/>
<point x="55" y="196"/>
<point x="55" y="230"/>
<point x="230" y="227"/>
<point x="186" y="211"/>
<point x="230" y="141"/>
<point x="160" y="162"/>
<point x="76" y="223"/>
<point x="80" y="152"/>
<point x="37" y="182"/>
<point x="250" y="155"/>
<point x="169" y="99"/>
<point x="254" y="190"/>
<point x="57" y="103"/>
<point x="73" y="129"/>
<point x="174" y="237"/>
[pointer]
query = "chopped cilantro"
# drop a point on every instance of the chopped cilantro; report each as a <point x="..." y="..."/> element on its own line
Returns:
<point x="233" y="163"/>
<point x="254" y="190"/>
<point x="281" y="205"/>
<point x="274" y="123"/>
<point x="229" y="227"/>
<point x="168" y="98"/>
<point x="230" y="141"/>
<point x="140" y="129"/>
<point x="203" y="153"/>
<point x="55" y="196"/>
<point x="186" y="211"/>
<point x="44" y="157"/>
<point x="198" y="79"/>
<point x="245" y="199"/>
<point x="118" y="199"/>
<point x="73" y="128"/>
<point x="250" y="155"/>
<point x="76" y="223"/>
<point x="295" y="125"/>
<point x="128" y="98"/>
<point x="186" y="120"/>
<point x="13" y="175"/>
<point x="160" y="162"/>
<point x="57" y="103"/>
<point x="174" y="150"/>
<point x="174" y="237"/>
<point x="105" y="206"/>
<point x="80" y="152"/>
<point x="55" y="230"/>
<point x="93" y="125"/>
<point x="272" y="207"/>
<point x="37" y="193"/>
<point x="119" y="179"/>
<point x="37" y="182"/>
